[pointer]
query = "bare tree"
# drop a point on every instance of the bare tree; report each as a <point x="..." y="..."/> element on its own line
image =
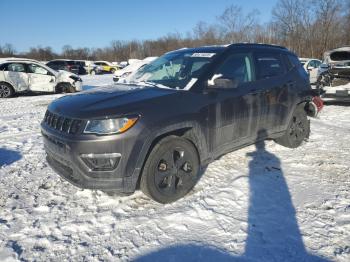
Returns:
<point x="237" y="26"/>
<point x="7" y="50"/>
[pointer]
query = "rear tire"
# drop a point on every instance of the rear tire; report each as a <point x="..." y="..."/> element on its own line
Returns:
<point x="171" y="170"/>
<point x="6" y="90"/>
<point x="298" y="129"/>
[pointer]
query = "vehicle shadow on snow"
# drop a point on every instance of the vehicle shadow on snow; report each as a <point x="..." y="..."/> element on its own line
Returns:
<point x="273" y="231"/>
<point x="8" y="156"/>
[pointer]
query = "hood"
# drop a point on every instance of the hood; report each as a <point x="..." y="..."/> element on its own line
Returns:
<point x="63" y="76"/>
<point x="106" y="101"/>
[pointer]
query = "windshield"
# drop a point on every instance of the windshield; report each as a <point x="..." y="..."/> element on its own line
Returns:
<point x="177" y="70"/>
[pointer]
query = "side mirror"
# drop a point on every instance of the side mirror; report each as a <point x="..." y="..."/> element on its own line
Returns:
<point x="217" y="81"/>
<point x="309" y="68"/>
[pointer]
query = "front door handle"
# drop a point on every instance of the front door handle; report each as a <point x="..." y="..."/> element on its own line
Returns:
<point x="258" y="92"/>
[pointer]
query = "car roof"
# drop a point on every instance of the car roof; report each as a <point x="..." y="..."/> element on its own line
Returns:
<point x="16" y="59"/>
<point x="60" y="59"/>
<point x="220" y="48"/>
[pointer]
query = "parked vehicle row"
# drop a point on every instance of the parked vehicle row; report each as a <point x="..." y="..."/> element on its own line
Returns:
<point x="79" y="67"/>
<point x="176" y="115"/>
<point x="24" y="75"/>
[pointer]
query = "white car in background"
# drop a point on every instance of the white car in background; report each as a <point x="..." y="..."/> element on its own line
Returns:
<point x="311" y="66"/>
<point x="123" y="75"/>
<point x="19" y="75"/>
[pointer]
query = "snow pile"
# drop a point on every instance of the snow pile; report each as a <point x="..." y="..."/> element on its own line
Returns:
<point x="90" y="81"/>
<point x="258" y="203"/>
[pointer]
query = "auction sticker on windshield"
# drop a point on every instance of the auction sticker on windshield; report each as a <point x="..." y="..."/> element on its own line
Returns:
<point x="203" y="54"/>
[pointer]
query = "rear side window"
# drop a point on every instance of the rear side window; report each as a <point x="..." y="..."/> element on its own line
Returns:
<point x="269" y="65"/>
<point x="16" y="67"/>
<point x="238" y="67"/>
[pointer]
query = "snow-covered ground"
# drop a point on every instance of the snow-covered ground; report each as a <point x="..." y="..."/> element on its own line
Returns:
<point x="255" y="204"/>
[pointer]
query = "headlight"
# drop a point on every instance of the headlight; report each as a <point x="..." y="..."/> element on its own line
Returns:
<point x="110" y="126"/>
<point x="76" y="78"/>
<point x="125" y="74"/>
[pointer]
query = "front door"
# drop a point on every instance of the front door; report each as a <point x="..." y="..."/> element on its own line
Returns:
<point x="235" y="110"/>
<point x="40" y="79"/>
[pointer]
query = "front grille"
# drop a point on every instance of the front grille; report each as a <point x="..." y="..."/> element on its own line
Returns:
<point x="63" y="124"/>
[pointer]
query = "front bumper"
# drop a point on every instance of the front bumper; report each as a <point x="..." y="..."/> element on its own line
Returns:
<point x="78" y="85"/>
<point x="64" y="156"/>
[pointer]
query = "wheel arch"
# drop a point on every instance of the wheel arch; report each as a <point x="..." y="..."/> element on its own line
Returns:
<point x="8" y="83"/>
<point x="189" y="132"/>
<point x="14" y="91"/>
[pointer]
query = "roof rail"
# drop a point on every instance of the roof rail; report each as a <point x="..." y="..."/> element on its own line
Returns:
<point x="259" y="44"/>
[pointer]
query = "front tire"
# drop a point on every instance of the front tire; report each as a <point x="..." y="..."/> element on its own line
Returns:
<point x="64" y="88"/>
<point x="171" y="170"/>
<point x="113" y="70"/>
<point x="6" y="90"/>
<point x="298" y="129"/>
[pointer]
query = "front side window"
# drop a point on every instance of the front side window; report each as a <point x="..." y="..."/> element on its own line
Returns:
<point x="36" y="69"/>
<point x="238" y="68"/>
<point x="16" y="67"/>
<point x="269" y="65"/>
<point x="177" y="70"/>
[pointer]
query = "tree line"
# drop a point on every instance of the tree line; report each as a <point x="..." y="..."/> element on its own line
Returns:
<point x="307" y="27"/>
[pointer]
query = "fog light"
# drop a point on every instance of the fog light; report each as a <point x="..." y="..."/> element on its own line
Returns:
<point x="101" y="162"/>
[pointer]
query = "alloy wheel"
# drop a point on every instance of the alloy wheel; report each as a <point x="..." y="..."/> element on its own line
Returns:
<point x="174" y="172"/>
<point x="4" y="91"/>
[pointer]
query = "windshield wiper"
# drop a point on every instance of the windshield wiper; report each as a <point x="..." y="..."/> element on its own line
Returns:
<point x="149" y="83"/>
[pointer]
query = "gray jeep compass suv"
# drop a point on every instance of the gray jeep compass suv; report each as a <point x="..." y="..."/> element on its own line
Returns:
<point x="175" y="116"/>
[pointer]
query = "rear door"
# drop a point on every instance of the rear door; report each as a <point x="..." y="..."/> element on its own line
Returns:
<point x="15" y="73"/>
<point x="235" y="108"/>
<point x="274" y="84"/>
<point x="40" y="79"/>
